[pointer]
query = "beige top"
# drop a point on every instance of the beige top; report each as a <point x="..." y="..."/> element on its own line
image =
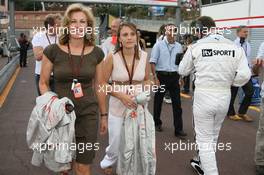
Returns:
<point x="120" y="74"/>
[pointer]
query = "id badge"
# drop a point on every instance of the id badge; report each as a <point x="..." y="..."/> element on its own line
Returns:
<point x="77" y="90"/>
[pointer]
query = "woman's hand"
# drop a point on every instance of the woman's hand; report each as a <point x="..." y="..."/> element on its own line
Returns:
<point x="258" y="62"/>
<point x="103" y="125"/>
<point x="128" y="101"/>
<point x="156" y="82"/>
<point x="46" y="69"/>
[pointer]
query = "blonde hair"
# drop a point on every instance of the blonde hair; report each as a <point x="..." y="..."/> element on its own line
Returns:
<point x="89" y="39"/>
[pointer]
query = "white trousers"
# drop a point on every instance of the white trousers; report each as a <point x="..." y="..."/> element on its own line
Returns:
<point x="209" y="109"/>
<point x="114" y="129"/>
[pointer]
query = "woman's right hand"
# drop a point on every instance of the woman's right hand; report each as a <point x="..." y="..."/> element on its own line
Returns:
<point x="128" y="100"/>
<point x="103" y="125"/>
<point x="259" y="62"/>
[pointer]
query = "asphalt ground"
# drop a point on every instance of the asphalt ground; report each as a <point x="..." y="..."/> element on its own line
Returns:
<point x="15" y="156"/>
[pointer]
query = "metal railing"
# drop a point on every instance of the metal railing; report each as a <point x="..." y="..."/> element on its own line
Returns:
<point x="9" y="69"/>
<point x="150" y="25"/>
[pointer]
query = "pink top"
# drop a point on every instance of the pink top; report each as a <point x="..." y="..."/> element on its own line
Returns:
<point x="120" y="74"/>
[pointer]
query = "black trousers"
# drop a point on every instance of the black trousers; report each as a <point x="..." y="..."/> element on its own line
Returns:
<point x="167" y="95"/>
<point x="186" y="85"/>
<point x="23" y="59"/>
<point x="248" y="91"/>
<point x="171" y="84"/>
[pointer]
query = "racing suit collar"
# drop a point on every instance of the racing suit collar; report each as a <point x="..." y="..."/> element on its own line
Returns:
<point x="214" y="35"/>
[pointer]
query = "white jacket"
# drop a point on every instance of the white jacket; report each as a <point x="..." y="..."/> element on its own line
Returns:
<point x="51" y="134"/>
<point x="107" y="46"/>
<point x="137" y="151"/>
<point x="247" y="49"/>
<point x="261" y="51"/>
<point x="217" y="63"/>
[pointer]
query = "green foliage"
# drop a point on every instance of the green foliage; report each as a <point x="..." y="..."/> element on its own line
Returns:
<point x="27" y="5"/>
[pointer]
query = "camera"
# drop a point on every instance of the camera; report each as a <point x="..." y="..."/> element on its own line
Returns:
<point x="178" y="59"/>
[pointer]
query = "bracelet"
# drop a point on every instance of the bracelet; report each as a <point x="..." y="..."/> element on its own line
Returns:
<point x="104" y="115"/>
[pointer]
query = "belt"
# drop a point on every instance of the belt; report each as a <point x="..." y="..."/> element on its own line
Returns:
<point x="167" y="73"/>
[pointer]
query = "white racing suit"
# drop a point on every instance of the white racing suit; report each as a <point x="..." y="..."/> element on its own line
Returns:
<point x="217" y="63"/>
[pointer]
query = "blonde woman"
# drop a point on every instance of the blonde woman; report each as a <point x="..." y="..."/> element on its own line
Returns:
<point x="77" y="66"/>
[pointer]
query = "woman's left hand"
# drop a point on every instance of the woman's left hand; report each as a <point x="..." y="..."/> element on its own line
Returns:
<point x="103" y="125"/>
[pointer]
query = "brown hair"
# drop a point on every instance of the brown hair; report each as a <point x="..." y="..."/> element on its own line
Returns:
<point x="162" y="30"/>
<point x="89" y="39"/>
<point x="133" y="27"/>
<point x="240" y="28"/>
<point x="50" y="19"/>
<point x="206" y="22"/>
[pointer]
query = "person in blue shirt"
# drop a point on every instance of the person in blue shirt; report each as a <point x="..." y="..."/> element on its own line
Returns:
<point x="165" y="73"/>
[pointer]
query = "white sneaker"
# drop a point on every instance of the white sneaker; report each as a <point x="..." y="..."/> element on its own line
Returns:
<point x="196" y="165"/>
<point x="167" y="100"/>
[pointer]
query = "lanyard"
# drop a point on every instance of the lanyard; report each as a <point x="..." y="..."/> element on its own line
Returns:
<point x="133" y="65"/>
<point x="75" y="69"/>
<point x="49" y="39"/>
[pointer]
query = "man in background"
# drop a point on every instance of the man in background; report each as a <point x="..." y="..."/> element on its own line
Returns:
<point x="109" y="44"/>
<point x="165" y="73"/>
<point x="24" y="44"/>
<point x="43" y="39"/>
<point x="241" y="41"/>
